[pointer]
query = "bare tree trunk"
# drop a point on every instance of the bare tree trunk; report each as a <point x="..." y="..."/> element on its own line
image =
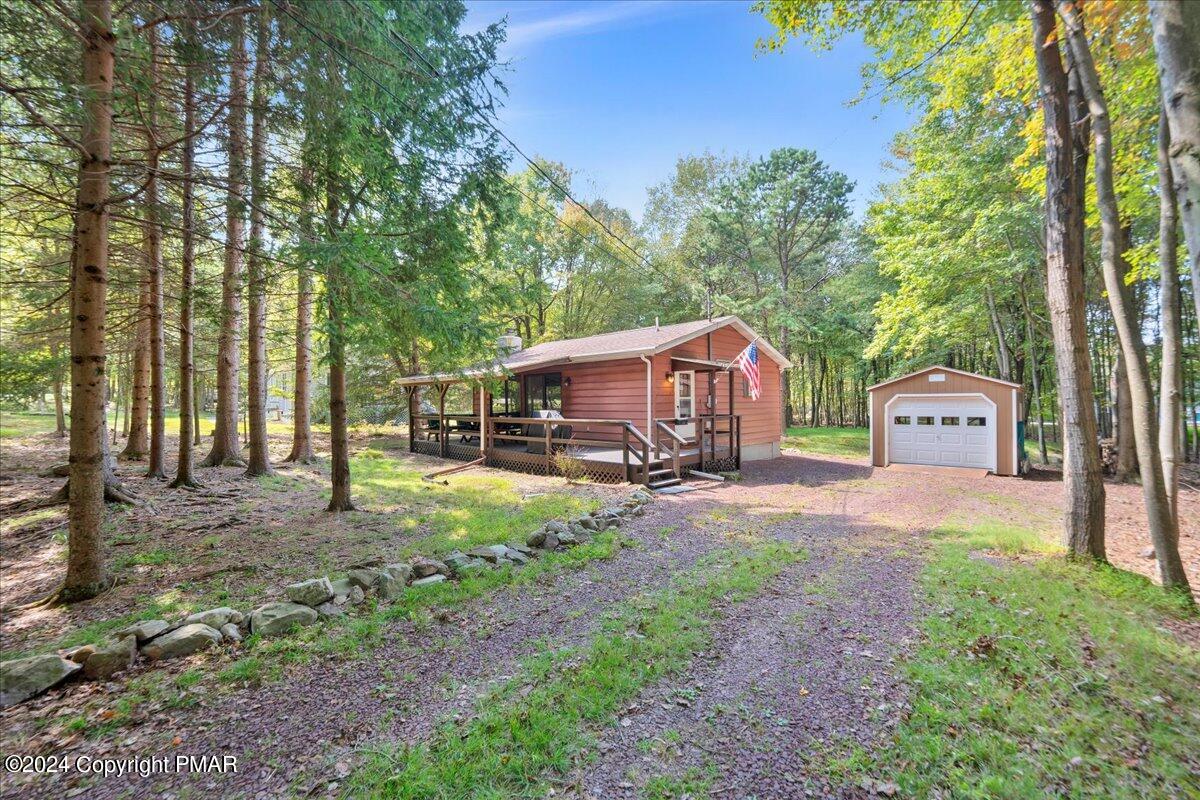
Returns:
<point x="1163" y="532"/>
<point x="1177" y="46"/>
<point x="197" y="406"/>
<point x="60" y="417"/>
<point x="226" y="450"/>
<point x="189" y="411"/>
<point x="259" y="462"/>
<point x="1035" y="370"/>
<point x="86" y="575"/>
<point x="154" y="272"/>
<point x="138" y="441"/>
<point x="1170" y="410"/>
<point x="302" y="451"/>
<point x="1122" y="421"/>
<point x="1083" y="482"/>
<point x="1003" y="357"/>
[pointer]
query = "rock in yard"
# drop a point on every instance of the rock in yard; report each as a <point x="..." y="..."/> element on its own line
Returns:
<point x="80" y="654"/>
<point x="111" y="659"/>
<point x="424" y="567"/>
<point x="274" y="619"/>
<point x="357" y="595"/>
<point x="144" y="631"/>
<point x="520" y="548"/>
<point x="589" y="523"/>
<point x="231" y="632"/>
<point x="402" y="573"/>
<point x="429" y="580"/>
<point x="182" y="642"/>
<point x="388" y="588"/>
<point x="311" y="592"/>
<point x="517" y="557"/>
<point x="341" y="590"/>
<point x="330" y="610"/>
<point x="551" y="541"/>
<point x="215" y="617"/>
<point x="554" y="526"/>
<point x="537" y="538"/>
<point x="491" y="553"/>
<point x="23" y="678"/>
<point x="568" y="539"/>
<point x="470" y="567"/>
<point x="364" y="577"/>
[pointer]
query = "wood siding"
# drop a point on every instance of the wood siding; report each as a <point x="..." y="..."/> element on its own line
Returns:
<point x="617" y="389"/>
<point x="955" y="383"/>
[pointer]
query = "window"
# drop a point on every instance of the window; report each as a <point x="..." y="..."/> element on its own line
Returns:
<point x="976" y="422"/>
<point x="950" y="421"/>
<point x="902" y="420"/>
<point x="544" y="392"/>
<point x="924" y="420"/>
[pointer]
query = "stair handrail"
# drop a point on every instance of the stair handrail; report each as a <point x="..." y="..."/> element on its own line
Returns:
<point x="676" y="440"/>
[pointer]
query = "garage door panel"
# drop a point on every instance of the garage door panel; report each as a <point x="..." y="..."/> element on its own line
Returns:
<point x="946" y="439"/>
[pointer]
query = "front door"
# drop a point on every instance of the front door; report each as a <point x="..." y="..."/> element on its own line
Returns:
<point x="685" y="402"/>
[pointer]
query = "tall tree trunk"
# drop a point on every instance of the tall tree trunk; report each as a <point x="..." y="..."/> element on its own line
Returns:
<point x="302" y="451"/>
<point x="138" y="440"/>
<point x="197" y="405"/>
<point x="189" y="411"/>
<point x="154" y="274"/>
<point x="1170" y="411"/>
<point x="60" y="417"/>
<point x="1035" y="370"/>
<point x="1176" y="26"/>
<point x="1083" y="482"/>
<point x="338" y="437"/>
<point x="86" y="575"/>
<point x="1003" y="357"/>
<point x="226" y="450"/>
<point x="1163" y="532"/>
<point x="1121" y="403"/>
<point x="259" y="462"/>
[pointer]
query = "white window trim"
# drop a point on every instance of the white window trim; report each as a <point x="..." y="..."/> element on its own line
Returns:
<point x="887" y="417"/>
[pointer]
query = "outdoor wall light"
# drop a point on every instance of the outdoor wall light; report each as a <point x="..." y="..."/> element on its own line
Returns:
<point x="567" y="381"/>
<point x="670" y="377"/>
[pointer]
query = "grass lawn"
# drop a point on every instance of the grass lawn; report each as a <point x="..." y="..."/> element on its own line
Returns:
<point x="854" y="442"/>
<point x="28" y="423"/>
<point x="1042" y="677"/>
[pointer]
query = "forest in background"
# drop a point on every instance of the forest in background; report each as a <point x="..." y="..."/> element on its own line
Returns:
<point x="314" y="198"/>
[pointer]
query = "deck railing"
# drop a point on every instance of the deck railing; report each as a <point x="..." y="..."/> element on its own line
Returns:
<point x="534" y="442"/>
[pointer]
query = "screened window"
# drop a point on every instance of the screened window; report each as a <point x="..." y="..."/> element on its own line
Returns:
<point x="950" y="421"/>
<point x="902" y="420"/>
<point x="976" y="422"/>
<point x="924" y="420"/>
<point x="544" y="392"/>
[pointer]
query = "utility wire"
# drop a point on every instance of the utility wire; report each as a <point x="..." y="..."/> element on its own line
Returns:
<point x="351" y="63"/>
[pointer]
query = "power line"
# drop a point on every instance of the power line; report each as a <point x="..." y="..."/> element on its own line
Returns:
<point x="537" y="167"/>
<point x="351" y="63"/>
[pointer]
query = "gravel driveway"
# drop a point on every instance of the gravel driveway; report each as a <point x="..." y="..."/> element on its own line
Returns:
<point x="799" y="673"/>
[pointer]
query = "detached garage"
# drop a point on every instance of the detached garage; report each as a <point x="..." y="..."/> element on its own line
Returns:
<point x="947" y="418"/>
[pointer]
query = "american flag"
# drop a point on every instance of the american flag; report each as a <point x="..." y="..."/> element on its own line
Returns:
<point x="747" y="362"/>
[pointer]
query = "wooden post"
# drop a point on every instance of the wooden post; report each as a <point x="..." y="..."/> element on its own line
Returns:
<point x="738" y="450"/>
<point x="547" y="429"/>
<point x="485" y="401"/>
<point x="412" y="420"/>
<point x="625" y="449"/>
<point x="443" y="439"/>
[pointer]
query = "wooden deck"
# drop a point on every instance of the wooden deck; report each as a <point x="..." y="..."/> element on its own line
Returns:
<point x="604" y="450"/>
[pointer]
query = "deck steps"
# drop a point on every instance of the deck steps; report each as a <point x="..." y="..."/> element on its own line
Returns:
<point x="664" y="482"/>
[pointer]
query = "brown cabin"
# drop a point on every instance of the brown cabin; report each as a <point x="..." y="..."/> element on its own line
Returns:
<point x="646" y="405"/>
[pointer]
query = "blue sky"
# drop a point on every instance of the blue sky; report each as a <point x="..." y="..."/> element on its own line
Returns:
<point x="619" y="90"/>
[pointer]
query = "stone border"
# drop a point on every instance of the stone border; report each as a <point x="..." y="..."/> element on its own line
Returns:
<point x="308" y="601"/>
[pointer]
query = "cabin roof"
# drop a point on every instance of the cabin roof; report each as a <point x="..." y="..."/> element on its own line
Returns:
<point x="632" y="343"/>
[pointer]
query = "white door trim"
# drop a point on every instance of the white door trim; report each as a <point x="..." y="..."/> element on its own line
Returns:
<point x="687" y="431"/>
<point x="887" y="416"/>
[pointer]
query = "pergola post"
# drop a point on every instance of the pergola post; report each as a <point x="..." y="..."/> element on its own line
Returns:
<point x="443" y="438"/>
<point x="412" y="419"/>
<point x="485" y="419"/>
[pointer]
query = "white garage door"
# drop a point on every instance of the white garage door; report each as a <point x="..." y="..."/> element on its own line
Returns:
<point x="943" y="431"/>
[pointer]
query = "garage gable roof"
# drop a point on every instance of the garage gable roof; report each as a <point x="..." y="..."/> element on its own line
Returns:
<point x="987" y="378"/>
